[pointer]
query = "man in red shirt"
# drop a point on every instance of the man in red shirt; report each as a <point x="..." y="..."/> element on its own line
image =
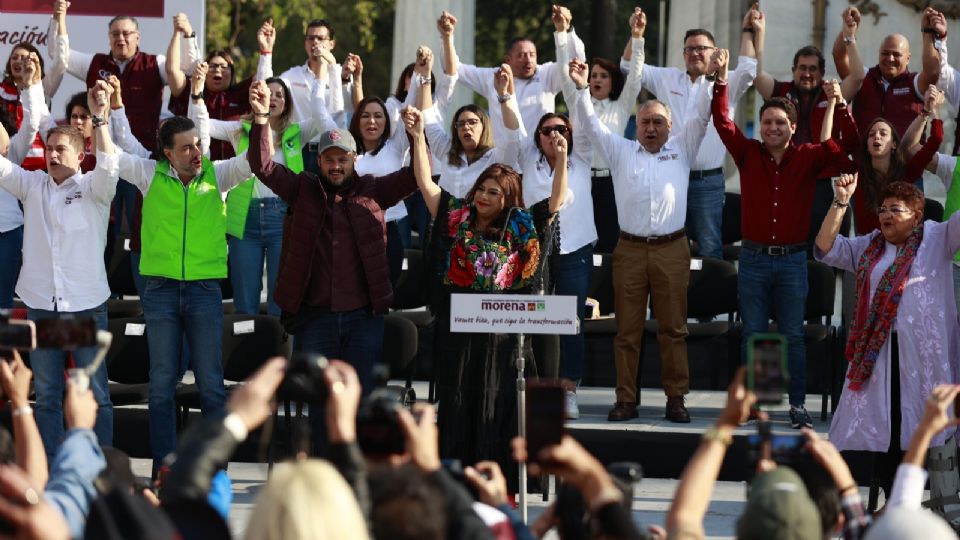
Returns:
<point x="777" y="180"/>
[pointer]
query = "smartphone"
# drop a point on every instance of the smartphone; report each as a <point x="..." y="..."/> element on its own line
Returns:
<point x="16" y="334"/>
<point x="544" y="416"/>
<point x="66" y="334"/>
<point x="782" y="449"/>
<point x="767" y="367"/>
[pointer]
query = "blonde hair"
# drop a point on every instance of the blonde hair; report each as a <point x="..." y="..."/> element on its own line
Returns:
<point x="306" y="500"/>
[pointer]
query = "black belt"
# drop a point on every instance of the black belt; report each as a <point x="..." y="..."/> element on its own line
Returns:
<point x="599" y="172"/>
<point x="700" y="175"/>
<point x="653" y="239"/>
<point x="773" y="251"/>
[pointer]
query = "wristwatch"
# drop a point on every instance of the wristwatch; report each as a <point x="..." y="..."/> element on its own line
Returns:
<point x="97" y="120"/>
<point x="197" y="96"/>
<point x="840" y="205"/>
<point x="504" y="98"/>
<point x="849" y="40"/>
<point x="716" y="434"/>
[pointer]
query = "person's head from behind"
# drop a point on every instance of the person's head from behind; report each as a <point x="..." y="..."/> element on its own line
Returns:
<point x="472" y="133"/>
<point x="370" y="124"/>
<point x="606" y="79"/>
<point x="124" y="34"/>
<point x="778" y="123"/>
<point x="522" y="57"/>
<point x="336" y="156"/>
<point x="219" y="70"/>
<point x="305" y="499"/>
<point x="779" y="508"/>
<point x="281" y="101"/>
<point x="319" y="36"/>
<point x="894" y="56"/>
<point x="822" y="490"/>
<point x="64" y="152"/>
<point x="79" y="115"/>
<point x="19" y="56"/>
<point x="181" y="146"/>
<point x="808" y="66"/>
<point x="406" y="505"/>
<point x="698" y="46"/>
<point x="653" y="125"/>
<point x="497" y="189"/>
<point x="900" y="211"/>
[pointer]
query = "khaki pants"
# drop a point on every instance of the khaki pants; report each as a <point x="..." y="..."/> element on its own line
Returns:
<point x="662" y="271"/>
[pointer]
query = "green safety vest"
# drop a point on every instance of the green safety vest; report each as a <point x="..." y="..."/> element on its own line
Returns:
<point x="953" y="200"/>
<point x="238" y="199"/>
<point x="184" y="227"/>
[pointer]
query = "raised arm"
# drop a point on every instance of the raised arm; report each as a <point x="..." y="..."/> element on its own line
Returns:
<point x="850" y="17"/>
<point x="632" y="84"/>
<point x="764" y="81"/>
<point x="910" y="144"/>
<point x="176" y="78"/>
<point x="747" y="31"/>
<point x="446" y="25"/>
<point x="15" y="378"/>
<point x="733" y="139"/>
<point x="413" y="122"/>
<point x="851" y="82"/>
<point x="611" y="145"/>
<point x="559" y="188"/>
<point x="843" y="189"/>
<point x="353" y="68"/>
<point x="277" y="177"/>
<point x="934" y="25"/>
<point x="320" y="119"/>
<point x="197" y="108"/>
<point x="503" y="84"/>
<point x="34" y="111"/>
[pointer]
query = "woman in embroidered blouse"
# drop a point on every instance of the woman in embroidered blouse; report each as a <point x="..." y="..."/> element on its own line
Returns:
<point x="255" y="235"/>
<point x="487" y="242"/>
<point x="904" y="338"/>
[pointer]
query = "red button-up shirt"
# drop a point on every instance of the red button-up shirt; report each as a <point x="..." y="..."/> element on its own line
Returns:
<point x="775" y="198"/>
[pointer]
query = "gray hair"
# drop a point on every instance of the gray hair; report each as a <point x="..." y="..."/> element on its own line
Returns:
<point x="124" y="18"/>
<point x="653" y="102"/>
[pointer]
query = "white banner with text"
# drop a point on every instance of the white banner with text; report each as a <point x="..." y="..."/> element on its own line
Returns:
<point x="513" y="314"/>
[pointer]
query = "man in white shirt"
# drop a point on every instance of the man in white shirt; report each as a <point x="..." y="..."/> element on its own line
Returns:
<point x="63" y="275"/>
<point x="652" y="257"/>
<point x="679" y="89"/>
<point x="535" y="85"/>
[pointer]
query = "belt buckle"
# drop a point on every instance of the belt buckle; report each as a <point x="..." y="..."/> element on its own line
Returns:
<point x="776" y="251"/>
<point x="652" y="239"/>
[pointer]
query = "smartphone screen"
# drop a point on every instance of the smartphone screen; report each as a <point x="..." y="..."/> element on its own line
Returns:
<point x="66" y="334"/>
<point x="782" y="449"/>
<point x="18" y="335"/>
<point x="767" y="367"/>
<point x="544" y="416"/>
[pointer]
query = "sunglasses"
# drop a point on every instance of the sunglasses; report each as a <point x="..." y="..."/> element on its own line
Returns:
<point x="561" y="129"/>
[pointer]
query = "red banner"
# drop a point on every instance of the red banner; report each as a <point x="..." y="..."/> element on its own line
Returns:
<point x="104" y="8"/>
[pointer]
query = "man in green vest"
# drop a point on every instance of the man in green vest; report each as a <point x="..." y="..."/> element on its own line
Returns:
<point x="184" y="257"/>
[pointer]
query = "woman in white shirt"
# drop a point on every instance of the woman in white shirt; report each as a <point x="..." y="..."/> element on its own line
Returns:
<point x="613" y="98"/>
<point x="254" y="213"/>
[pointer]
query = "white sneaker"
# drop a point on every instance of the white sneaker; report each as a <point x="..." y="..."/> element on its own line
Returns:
<point x="570" y="409"/>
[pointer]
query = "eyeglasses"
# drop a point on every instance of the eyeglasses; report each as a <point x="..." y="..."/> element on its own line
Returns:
<point x="317" y="38"/>
<point x="473" y="122"/>
<point x="83" y="117"/>
<point x="213" y="67"/>
<point x="559" y="128"/>
<point x="699" y="49"/>
<point x="126" y="33"/>
<point x="895" y="210"/>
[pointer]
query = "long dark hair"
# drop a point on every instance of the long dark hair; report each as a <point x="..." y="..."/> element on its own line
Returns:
<point x="617" y="79"/>
<point x="287" y="102"/>
<point x="509" y="181"/>
<point x="568" y="136"/>
<point x="8" y="73"/>
<point x="872" y="180"/>
<point x="358" y="134"/>
<point x="401" y="92"/>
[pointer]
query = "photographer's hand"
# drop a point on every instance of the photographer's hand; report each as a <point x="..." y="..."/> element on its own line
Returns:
<point x="31" y="456"/>
<point x="343" y="399"/>
<point x="79" y="408"/>
<point x="830" y="459"/>
<point x="488" y="479"/>
<point x="934" y="420"/>
<point x="24" y="509"/>
<point x="422" y="437"/>
<point x="253" y="401"/>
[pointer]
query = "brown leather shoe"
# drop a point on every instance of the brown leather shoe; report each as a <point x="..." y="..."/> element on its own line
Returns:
<point x="676" y="410"/>
<point x="621" y="411"/>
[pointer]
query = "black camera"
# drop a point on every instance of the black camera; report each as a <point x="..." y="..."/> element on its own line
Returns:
<point x="378" y="427"/>
<point x="305" y="380"/>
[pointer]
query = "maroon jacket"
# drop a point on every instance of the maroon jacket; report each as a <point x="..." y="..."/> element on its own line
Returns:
<point x="365" y="202"/>
<point x="142" y="90"/>
<point x="898" y="103"/>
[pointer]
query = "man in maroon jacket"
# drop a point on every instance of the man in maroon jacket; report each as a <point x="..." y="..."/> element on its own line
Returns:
<point x="333" y="286"/>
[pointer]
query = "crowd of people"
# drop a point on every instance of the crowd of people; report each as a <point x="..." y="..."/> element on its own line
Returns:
<point x="306" y="183"/>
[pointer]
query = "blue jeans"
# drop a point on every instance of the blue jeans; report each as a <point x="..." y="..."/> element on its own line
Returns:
<point x="173" y="308"/>
<point x="353" y="336"/>
<point x="705" y="214"/>
<point x="262" y="238"/>
<point x="139" y="281"/>
<point x="572" y="277"/>
<point x="48" y="381"/>
<point x="11" y="246"/>
<point x="776" y="283"/>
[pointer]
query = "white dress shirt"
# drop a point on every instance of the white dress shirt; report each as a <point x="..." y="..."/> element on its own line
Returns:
<point x="389" y="159"/>
<point x="535" y="96"/>
<point x="140" y="171"/>
<point x="673" y="87"/>
<point x="64" y="234"/>
<point x="458" y="179"/>
<point x="20" y="144"/>
<point x="301" y="81"/>
<point x="614" y="113"/>
<point x="650" y="188"/>
<point x="231" y="130"/>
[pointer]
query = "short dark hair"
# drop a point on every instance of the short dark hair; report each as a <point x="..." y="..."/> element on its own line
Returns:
<point x="513" y="42"/>
<point x="782" y="103"/>
<point x="404" y="504"/>
<point x="77" y="100"/>
<point x="810" y="50"/>
<point x="906" y="192"/>
<point x="124" y="18"/>
<point x="616" y="76"/>
<point x="357" y="132"/>
<point x="566" y="122"/>
<point x="172" y="127"/>
<point x="74" y="134"/>
<point x="693" y="32"/>
<point x="321" y="23"/>
<point x="225" y="54"/>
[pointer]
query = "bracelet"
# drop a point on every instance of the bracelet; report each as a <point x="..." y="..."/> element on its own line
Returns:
<point x="97" y="120"/>
<point x="266" y="52"/>
<point x="748" y="30"/>
<point x="191" y="35"/>
<point x="197" y="96"/>
<point x="933" y="31"/>
<point x="262" y="114"/>
<point x="925" y="112"/>
<point x="584" y="87"/>
<point x="849" y="40"/>
<point x="20" y="411"/>
<point x="718" y="435"/>
<point x="848" y="488"/>
<point x="841" y="205"/>
<point x="504" y="98"/>
<point x="426" y="80"/>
